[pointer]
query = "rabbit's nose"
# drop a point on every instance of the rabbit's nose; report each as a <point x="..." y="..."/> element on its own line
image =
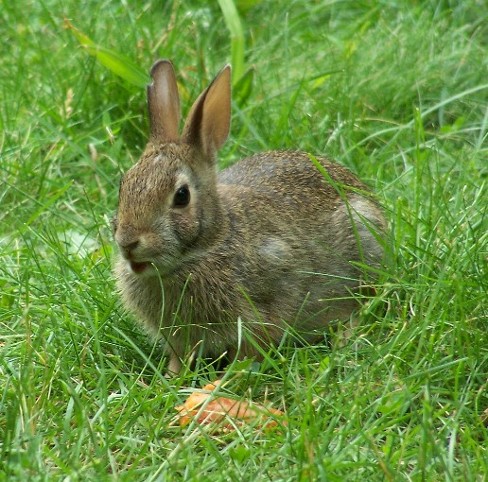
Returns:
<point x="130" y="246"/>
<point x="127" y="246"/>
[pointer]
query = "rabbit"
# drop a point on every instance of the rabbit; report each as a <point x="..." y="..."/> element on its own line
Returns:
<point x="227" y="262"/>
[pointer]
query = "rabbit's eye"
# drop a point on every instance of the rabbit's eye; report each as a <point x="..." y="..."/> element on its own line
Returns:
<point x="182" y="197"/>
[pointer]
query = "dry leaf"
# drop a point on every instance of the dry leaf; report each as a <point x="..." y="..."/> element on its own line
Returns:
<point x="225" y="413"/>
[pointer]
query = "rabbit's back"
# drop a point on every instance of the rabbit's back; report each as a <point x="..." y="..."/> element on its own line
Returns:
<point x="299" y="237"/>
<point x="283" y="170"/>
<point x="285" y="192"/>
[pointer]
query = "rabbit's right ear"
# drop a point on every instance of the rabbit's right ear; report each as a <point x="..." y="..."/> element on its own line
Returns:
<point x="208" y="122"/>
<point x="163" y="102"/>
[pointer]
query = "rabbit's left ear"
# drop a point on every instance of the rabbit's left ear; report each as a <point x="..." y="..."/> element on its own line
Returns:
<point x="208" y="122"/>
<point x="163" y="102"/>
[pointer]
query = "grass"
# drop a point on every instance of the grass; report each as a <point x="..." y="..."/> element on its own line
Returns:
<point x="397" y="91"/>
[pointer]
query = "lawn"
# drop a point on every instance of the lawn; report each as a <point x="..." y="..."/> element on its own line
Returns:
<point x="396" y="91"/>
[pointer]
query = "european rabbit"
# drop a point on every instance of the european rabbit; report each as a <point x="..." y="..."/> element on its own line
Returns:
<point x="209" y="257"/>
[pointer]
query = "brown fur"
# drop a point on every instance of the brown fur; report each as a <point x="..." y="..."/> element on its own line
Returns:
<point x="263" y="245"/>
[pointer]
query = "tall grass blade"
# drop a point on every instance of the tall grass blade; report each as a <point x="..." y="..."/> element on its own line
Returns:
<point x="233" y="22"/>
<point x="117" y="63"/>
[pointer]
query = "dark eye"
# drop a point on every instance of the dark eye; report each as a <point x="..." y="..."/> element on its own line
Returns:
<point x="182" y="197"/>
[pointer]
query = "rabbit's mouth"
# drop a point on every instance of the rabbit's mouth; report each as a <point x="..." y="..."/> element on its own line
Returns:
<point x="138" y="268"/>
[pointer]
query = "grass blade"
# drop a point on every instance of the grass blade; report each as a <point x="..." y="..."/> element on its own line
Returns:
<point x="117" y="63"/>
<point x="233" y="22"/>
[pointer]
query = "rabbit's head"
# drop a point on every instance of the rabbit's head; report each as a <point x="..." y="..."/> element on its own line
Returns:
<point x="168" y="203"/>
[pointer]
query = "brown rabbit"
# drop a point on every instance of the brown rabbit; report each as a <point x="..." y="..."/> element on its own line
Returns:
<point x="231" y="259"/>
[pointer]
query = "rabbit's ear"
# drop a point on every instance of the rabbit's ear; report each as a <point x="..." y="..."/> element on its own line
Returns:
<point x="208" y="122"/>
<point x="163" y="102"/>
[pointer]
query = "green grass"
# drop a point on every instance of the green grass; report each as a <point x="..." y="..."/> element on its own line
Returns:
<point x="397" y="91"/>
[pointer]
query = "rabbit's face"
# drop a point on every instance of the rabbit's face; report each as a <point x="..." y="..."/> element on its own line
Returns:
<point x="160" y="215"/>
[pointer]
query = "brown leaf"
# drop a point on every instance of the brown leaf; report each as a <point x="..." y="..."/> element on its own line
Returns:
<point x="225" y="413"/>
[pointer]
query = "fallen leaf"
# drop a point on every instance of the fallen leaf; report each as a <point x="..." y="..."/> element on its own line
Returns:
<point x="225" y="413"/>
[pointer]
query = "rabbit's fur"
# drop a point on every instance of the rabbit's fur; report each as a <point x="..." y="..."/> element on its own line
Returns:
<point x="268" y="243"/>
